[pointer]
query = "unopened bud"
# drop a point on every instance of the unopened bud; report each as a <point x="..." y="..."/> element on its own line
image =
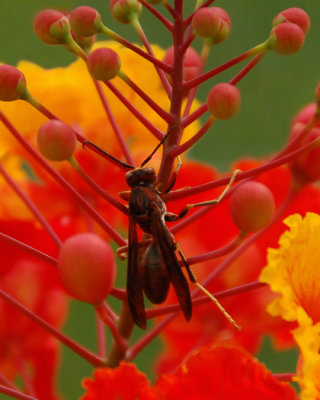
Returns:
<point x="252" y="206"/>
<point x="42" y="23"/>
<point x="206" y="22"/>
<point x="56" y="140"/>
<point x="224" y="101"/>
<point x="296" y="16"/>
<point x="87" y="267"/>
<point x="104" y="64"/>
<point x="125" y="11"/>
<point x="12" y="83"/>
<point x="85" y="21"/>
<point x="286" y="38"/>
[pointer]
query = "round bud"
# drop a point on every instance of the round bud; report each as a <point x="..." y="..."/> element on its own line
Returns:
<point x="252" y="206"/>
<point x="12" y="83"/>
<point x="42" y="23"/>
<point x="225" y="26"/>
<point x="60" y="29"/>
<point x="191" y="62"/>
<point x="56" y="140"/>
<point x="125" y="10"/>
<point x="296" y="16"/>
<point x="85" y="21"/>
<point x="306" y="167"/>
<point x="104" y="64"/>
<point x="286" y="38"/>
<point x="206" y="22"/>
<point x="87" y="267"/>
<point x="224" y="101"/>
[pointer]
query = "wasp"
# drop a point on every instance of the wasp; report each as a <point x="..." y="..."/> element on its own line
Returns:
<point x="159" y="265"/>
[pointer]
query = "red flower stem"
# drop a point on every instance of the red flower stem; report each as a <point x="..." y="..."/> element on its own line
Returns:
<point x="252" y="239"/>
<point x="163" y="310"/>
<point x="101" y="337"/>
<point x="151" y="103"/>
<point x="169" y="8"/>
<point x="70" y="189"/>
<point x="105" y="195"/>
<point x="219" y="252"/>
<point x="176" y="151"/>
<point x="247" y="69"/>
<point x="104" y="315"/>
<point x="75" y="347"/>
<point x="206" y="76"/>
<point x="285" y="377"/>
<point x="6" y="382"/>
<point x="143" y="38"/>
<point x="188" y="119"/>
<point x="79" y="137"/>
<point x="188" y="40"/>
<point x="113" y="35"/>
<point x="173" y="139"/>
<point x="119" y="294"/>
<point x="189" y="18"/>
<point x="15" y="393"/>
<point x="133" y="351"/>
<point x="114" y="124"/>
<point x="28" y="249"/>
<point x="31" y="206"/>
<point x="251" y="173"/>
<point x="157" y="14"/>
<point x="153" y="129"/>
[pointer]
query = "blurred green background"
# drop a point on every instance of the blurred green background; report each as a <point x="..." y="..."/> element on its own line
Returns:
<point x="271" y="95"/>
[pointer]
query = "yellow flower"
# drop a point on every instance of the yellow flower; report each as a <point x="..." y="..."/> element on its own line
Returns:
<point x="293" y="271"/>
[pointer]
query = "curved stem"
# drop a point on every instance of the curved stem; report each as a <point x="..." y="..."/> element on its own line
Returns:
<point x="157" y="14"/>
<point x="15" y="393"/>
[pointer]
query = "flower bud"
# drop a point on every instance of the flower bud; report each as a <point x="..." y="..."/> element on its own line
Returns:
<point x="296" y="16"/>
<point x="224" y="101"/>
<point x="42" y="23"/>
<point x="12" y="83"/>
<point x="306" y="167"/>
<point x="206" y="22"/>
<point x="225" y="26"/>
<point x="104" y="64"/>
<point x="286" y="38"/>
<point x="87" y="267"/>
<point x="125" y="10"/>
<point x="252" y="206"/>
<point x="56" y="140"/>
<point x="60" y="29"/>
<point x="191" y="62"/>
<point x="85" y="21"/>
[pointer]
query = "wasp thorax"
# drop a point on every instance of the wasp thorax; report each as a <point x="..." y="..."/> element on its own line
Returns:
<point x="140" y="175"/>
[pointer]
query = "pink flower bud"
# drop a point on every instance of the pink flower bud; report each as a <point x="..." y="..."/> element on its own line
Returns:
<point x="225" y="26"/>
<point x="12" y="83"/>
<point x="252" y="206"/>
<point x="206" y="22"/>
<point x="191" y="62"/>
<point x="125" y="10"/>
<point x="87" y="267"/>
<point x="286" y="38"/>
<point x="306" y="167"/>
<point x="296" y="16"/>
<point x="85" y="21"/>
<point x="42" y="23"/>
<point x="224" y="101"/>
<point x="56" y="140"/>
<point x="104" y="64"/>
<point x="60" y="29"/>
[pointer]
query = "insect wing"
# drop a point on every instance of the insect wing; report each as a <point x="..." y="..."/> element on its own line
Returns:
<point x="134" y="284"/>
<point x="167" y="248"/>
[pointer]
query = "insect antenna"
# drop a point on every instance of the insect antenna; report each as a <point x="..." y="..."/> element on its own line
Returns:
<point x="159" y="144"/>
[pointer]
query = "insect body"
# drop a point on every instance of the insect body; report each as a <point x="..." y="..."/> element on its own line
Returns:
<point x="159" y="265"/>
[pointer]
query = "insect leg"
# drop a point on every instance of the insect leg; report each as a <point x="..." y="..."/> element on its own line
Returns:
<point x="193" y="279"/>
